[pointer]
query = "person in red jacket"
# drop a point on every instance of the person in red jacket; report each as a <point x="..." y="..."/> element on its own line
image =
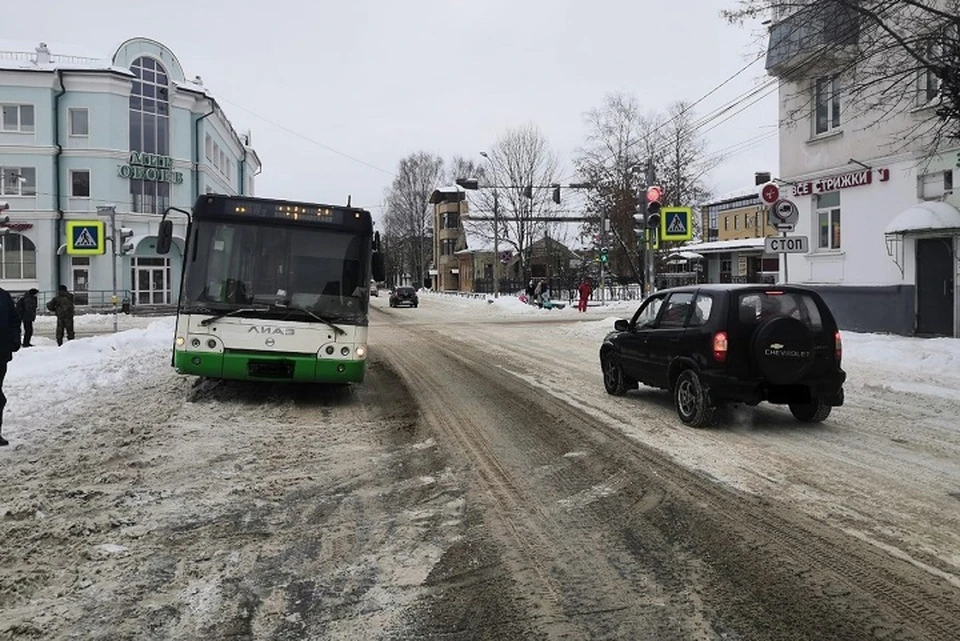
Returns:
<point x="585" y="289"/>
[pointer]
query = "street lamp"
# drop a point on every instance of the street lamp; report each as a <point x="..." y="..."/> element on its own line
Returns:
<point x="496" y="233"/>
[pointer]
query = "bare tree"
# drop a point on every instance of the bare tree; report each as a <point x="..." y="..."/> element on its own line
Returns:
<point x="522" y="157"/>
<point x="892" y="57"/>
<point x="684" y="162"/>
<point x="408" y="219"/>
<point x="619" y="140"/>
<point x="623" y="145"/>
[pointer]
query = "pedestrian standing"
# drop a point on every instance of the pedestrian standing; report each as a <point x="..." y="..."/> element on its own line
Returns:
<point x="585" y="290"/>
<point x="62" y="305"/>
<point x="9" y="343"/>
<point x="27" y="308"/>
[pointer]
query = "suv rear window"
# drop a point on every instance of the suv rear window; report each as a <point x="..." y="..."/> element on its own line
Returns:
<point x="756" y="307"/>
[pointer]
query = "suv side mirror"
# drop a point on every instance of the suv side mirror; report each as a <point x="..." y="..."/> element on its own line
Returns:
<point x="165" y="237"/>
<point x="621" y="325"/>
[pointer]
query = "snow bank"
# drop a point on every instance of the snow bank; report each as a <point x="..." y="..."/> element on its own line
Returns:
<point x="43" y="382"/>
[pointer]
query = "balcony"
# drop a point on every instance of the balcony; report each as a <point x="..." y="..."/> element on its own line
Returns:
<point x="825" y="32"/>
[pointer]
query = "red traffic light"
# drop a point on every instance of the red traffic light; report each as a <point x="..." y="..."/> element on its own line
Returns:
<point x="654" y="193"/>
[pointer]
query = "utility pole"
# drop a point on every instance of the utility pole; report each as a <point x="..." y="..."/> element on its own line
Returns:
<point x="496" y="230"/>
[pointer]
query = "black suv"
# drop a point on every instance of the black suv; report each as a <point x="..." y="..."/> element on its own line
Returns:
<point x="711" y="345"/>
<point x="404" y="296"/>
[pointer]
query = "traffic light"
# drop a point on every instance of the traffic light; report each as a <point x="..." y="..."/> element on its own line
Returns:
<point x="654" y="194"/>
<point x="603" y="254"/>
<point x="528" y="192"/>
<point x="125" y="246"/>
<point x="556" y="194"/>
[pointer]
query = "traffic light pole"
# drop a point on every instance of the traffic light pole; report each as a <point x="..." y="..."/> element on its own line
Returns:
<point x="496" y="245"/>
<point x="111" y="211"/>
<point x="651" y="234"/>
<point x="603" y="263"/>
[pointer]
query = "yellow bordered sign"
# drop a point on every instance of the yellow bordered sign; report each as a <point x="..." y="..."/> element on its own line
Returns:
<point x="676" y="223"/>
<point x="86" y="237"/>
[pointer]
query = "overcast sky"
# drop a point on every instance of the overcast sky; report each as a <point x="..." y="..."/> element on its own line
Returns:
<point x="337" y="92"/>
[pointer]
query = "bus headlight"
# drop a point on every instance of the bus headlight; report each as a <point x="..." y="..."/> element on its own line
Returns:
<point x="344" y="351"/>
<point x="180" y="341"/>
<point x="195" y="342"/>
<point x="361" y="351"/>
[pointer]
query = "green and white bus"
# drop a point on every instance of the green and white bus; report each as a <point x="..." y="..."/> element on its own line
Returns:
<point x="274" y="290"/>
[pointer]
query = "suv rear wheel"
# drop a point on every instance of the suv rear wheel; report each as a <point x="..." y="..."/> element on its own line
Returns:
<point x="690" y="399"/>
<point x="816" y="411"/>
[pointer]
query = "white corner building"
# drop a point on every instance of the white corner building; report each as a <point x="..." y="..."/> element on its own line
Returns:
<point x="880" y="214"/>
<point x="80" y="136"/>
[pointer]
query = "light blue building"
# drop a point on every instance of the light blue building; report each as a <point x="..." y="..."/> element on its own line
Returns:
<point x="79" y="133"/>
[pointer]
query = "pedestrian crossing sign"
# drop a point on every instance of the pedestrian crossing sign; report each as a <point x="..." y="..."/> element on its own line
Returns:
<point x="676" y="223"/>
<point x="86" y="237"/>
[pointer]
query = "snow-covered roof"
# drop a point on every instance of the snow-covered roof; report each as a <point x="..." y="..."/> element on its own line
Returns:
<point x="685" y="255"/>
<point x="925" y="216"/>
<point x="477" y="233"/>
<point x="715" y="246"/>
<point x="22" y="55"/>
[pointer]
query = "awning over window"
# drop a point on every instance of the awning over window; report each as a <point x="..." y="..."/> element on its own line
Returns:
<point x="923" y="217"/>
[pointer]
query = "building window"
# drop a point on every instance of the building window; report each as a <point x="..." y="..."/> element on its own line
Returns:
<point x="150" y="130"/>
<point x="826" y="102"/>
<point x="736" y="223"/>
<point x="79" y="122"/>
<point x="935" y="185"/>
<point x="448" y="246"/>
<point x="17" y="118"/>
<point x="726" y="223"/>
<point x="18" y="181"/>
<point x="80" y="183"/>
<point x="208" y="147"/>
<point x="450" y="220"/>
<point x="19" y="259"/>
<point x="828" y="220"/>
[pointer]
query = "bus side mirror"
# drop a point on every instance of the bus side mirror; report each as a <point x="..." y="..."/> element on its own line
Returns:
<point x="379" y="273"/>
<point x="165" y="237"/>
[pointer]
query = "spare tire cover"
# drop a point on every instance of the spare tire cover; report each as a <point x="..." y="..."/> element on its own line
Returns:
<point x="783" y="350"/>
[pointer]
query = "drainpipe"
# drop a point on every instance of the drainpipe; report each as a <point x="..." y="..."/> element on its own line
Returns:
<point x="196" y="151"/>
<point x="56" y="175"/>
<point x="243" y="166"/>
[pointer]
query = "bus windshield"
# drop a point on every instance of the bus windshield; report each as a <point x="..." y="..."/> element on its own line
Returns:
<point x="280" y="270"/>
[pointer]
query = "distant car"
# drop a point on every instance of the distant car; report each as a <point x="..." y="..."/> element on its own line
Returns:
<point x="374" y="290"/>
<point x="711" y="345"/>
<point x="404" y="295"/>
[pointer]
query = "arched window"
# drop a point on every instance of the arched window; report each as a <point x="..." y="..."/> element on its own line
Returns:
<point x="150" y="129"/>
<point x="18" y="257"/>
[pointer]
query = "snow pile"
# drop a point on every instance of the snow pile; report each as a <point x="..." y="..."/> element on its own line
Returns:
<point x="44" y="380"/>
<point x="918" y="365"/>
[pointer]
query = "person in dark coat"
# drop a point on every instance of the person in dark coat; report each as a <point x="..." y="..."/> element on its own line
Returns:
<point x="62" y="306"/>
<point x="27" y="308"/>
<point x="9" y="343"/>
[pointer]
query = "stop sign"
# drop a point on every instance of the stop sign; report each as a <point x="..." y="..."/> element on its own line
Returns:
<point x="769" y="193"/>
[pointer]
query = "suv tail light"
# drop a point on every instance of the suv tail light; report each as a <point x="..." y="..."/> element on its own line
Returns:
<point x="720" y="347"/>
<point x="838" y="345"/>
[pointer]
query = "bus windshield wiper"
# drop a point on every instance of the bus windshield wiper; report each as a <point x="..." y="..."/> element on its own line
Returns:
<point x="224" y="314"/>
<point x="297" y="308"/>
